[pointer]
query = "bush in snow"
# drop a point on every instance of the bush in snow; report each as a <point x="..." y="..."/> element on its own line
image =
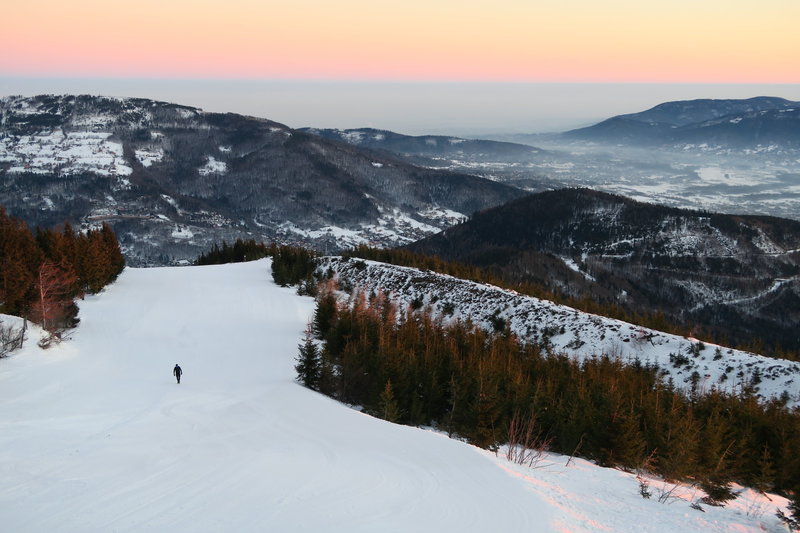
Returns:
<point x="11" y="339"/>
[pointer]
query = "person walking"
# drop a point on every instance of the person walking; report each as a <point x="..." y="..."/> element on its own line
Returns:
<point x="177" y="373"/>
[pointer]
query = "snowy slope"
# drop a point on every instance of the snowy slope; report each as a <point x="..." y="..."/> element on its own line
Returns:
<point x="566" y="330"/>
<point x="96" y="436"/>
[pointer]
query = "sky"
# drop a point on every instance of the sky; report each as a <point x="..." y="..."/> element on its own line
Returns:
<point x="421" y="48"/>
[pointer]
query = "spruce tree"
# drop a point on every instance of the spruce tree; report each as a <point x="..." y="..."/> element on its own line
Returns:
<point x="308" y="362"/>
<point x="794" y="508"/>
<point x="20" y="258"/>
<point x="388" y="408"/>
<point x="628" y="442"/>
<point x="325" y="313"/>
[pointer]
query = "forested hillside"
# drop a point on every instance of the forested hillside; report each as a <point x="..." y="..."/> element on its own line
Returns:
<point x="413" y="347"/>
<point x="726" y="278"/>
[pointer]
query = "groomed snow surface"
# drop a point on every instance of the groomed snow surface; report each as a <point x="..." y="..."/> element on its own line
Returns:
<point x="96" y="436"/>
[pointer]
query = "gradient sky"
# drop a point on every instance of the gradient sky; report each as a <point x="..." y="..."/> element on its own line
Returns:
<point x="685" y="41"/>
<point x="415" y="66"/>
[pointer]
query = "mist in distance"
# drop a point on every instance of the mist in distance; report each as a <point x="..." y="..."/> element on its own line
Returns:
<point x="415" y="108"/>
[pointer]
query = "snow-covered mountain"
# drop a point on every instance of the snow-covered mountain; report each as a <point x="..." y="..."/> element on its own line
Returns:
<point x="96" y="436"/>
<point x="173" y="179"/>
<point x="689" y="363"/>
<point x="754" y="123"/>
<point x="684" y="112"/>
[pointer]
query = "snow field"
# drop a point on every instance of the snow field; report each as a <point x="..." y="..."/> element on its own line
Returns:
<point x="95" y="435"/>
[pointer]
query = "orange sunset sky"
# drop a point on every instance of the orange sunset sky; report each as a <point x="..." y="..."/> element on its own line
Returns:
<point x="685" y="41"/>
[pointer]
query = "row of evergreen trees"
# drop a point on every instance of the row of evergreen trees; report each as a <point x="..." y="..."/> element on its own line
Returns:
<point x="42" y="273"/>
<point x="408" y="367"/>
<point x="239" y="252"/>
<point x="291" y="265"/>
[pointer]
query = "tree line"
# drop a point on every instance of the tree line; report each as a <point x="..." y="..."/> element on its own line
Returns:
<point x="291" y="265"/>
<point x="406" y="366"/>
<point x="239" y="252"/>
<point x="43" y="272"/>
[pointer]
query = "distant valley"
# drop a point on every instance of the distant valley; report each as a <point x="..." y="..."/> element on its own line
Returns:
<point x="730" y="156"/>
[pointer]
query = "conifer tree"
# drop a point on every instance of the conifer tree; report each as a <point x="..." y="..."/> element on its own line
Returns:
<point x="325" y="312"/>
<point x="96" y="263"/>
<point x="308" y="365"/>
<point x="628" y="443"/>
<point x="766" y="471"/>
<point x="113" y="251"/>
<point x="794" y="507"/>
<point x="388" y="408"/>
<point x="19" y="260"/>
<point x="40" y="276"/>
<point x="469" y="382"/>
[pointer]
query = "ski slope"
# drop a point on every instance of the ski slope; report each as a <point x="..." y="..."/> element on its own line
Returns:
<point x="96" y="436"/>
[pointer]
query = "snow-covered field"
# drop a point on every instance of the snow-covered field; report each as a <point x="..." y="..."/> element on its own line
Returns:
<point x="96" y="436"/>
<point x="53" y="151"/>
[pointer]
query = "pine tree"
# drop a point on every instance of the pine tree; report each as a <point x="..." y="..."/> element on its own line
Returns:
<point x="308" y="365"/>
<point x="20" y="257"/>
<point x="388" y="408"/>
<point x="325" y="313"/>
<point x="96" y="261"/>
<point x="628" y="442"/>
<point x="794" y="507"/>
<point x="766" y="471"/>
<point x="113" y="251"/>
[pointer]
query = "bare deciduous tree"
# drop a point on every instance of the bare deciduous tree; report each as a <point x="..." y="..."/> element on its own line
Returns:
<point x="54" y="288"/>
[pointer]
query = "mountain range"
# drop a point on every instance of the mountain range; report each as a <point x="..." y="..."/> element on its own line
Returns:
<point x="751" y="123"/>
<point x="173" y="179"/>
<point x="731" y="156"/>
